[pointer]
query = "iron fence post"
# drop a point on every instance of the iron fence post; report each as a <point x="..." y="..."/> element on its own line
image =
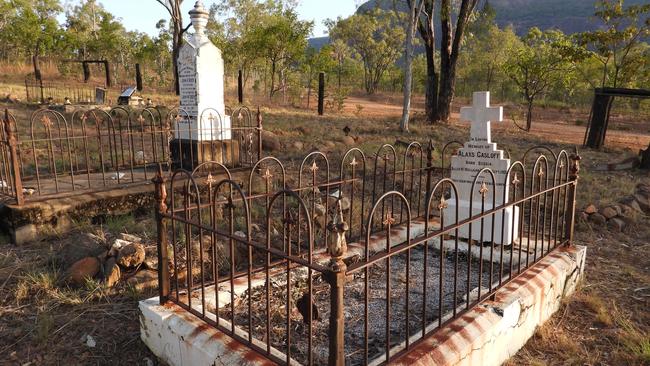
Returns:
<point x="163" y="257"/>
<point x="12" y="141"/>
<point x="337" y="248"/>
<point x="259" y="134"/>
<point x="574" y="169"/>
<point x="429" y="168"/>
<point x="26" y="90"/>
<point x="336" y="279"/>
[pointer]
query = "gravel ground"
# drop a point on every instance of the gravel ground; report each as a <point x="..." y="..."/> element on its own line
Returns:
<point x="354" y="306"/>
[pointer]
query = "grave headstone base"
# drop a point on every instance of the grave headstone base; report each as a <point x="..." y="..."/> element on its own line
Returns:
<point x="190" y="153"/>
<point x="510" y="220"/>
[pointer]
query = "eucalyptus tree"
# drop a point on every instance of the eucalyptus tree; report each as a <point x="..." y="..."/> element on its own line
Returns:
<point x="173" y="7"/>
<point x="537" y="63"/>
<point x="415" y="8"/>
<point x="375" y="38"/>
<point x="30" y="28"/>
<point x="616" y="44"/>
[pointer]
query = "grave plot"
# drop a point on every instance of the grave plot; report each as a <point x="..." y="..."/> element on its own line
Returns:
<point x="101" y="159"/>
<point x="454" y="295"/>
<point x="380" y="256"/>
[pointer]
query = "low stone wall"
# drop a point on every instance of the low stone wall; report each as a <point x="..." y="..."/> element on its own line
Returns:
<point x="494" y="331"/>
<point x="489" y="334"/>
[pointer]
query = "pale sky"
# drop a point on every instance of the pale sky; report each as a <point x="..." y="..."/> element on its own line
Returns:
<point x="142" y="15"/>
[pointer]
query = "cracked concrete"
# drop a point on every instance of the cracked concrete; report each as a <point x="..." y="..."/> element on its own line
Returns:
<point x="489" y="333"/>
<point x="497" y="329"/>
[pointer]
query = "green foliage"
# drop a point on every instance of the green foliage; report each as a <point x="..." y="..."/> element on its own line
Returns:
<point x="376" y="39"/>
<point x="29" y="27"/>
<point x="616" y="45"/>
<point x="537" y="63"/>
<point x="487" y="49"/>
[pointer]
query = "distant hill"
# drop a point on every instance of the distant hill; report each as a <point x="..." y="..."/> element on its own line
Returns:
<point x="570" y="16"/>
<point x="318" y="42"/>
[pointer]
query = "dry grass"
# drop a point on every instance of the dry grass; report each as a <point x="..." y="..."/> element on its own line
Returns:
<point x="606" y="322"/>
<point x="46" y="323"/>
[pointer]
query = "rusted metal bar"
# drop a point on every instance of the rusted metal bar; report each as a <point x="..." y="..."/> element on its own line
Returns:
<point x="14" y="160"/>
<point x="163" y="257"/>
<point x="259" y="134"/>
<point x="336" y="279"/>
<point x="574" y="171"/>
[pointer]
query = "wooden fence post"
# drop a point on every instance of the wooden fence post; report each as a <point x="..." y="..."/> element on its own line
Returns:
<point x="14" y="160"/>
<point x="240" y="87"/>
<point x="574" y="169"/>
<point x="321" y="93"/>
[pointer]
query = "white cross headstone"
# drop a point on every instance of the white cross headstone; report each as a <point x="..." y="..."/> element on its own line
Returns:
<point x="476" y="154"/>
<point x="480" y="114"/>
<point x="201" y="85"/>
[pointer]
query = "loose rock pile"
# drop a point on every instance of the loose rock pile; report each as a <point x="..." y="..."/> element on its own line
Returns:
<point x="617" y="217"/>
<point x="125" y="259"/>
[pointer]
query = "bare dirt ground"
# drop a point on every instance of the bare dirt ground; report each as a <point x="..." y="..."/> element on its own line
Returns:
<point x="605" y="323"/>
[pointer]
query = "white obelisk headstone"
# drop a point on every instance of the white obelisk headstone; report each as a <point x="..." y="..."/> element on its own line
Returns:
<point x="201" y="83"/>
<point x="476" y="154"/>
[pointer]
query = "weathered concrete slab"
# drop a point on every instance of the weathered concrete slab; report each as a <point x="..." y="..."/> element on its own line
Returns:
<point x="495" y="330"/>
<point x="180" y="338"/>
<point x="489" y="334"/>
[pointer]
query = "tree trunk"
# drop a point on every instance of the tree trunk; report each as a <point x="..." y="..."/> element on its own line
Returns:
<point x="176" y="48"/>
<point x="449" y="51"/>
<point x="339" y="73"/>
<point x="432" y="85"/>
<point x="309" y="90"/>
<point x="529" y="115"/>
<point x="408" y="66"/>
<point x="272" y="80"/>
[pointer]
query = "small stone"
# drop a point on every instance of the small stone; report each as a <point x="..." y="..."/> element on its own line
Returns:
<point x="319" y="210"/>
<point x="643" y="201"/>
<point x="78" y="247"/>
<point x="117" y="245"/>
<point x="627" y="211"/>
<point x="143" y="280"/>
<point x="329" y="144"/>
<point x="131" y="255"/>
<point x="81" y="270"/>
<point x="345" y="203"/>
<point x="643" y="188"/>
<point x="139" y="157"/>
<point x="112" y="272"/>
<point x="151" y="259"/>
<point x="90" y="341"/>
<point x="130" y="238"/>
<point x="298" y="145"/>
<point x="348" y="140"/>
<point x="270" y="141"/>
<point x="616" y="224"/>
<point x="631" y="202"/>
<point x="590" y="209"/>
<point x="598" y="219"/>
<point x="609" y="212"/>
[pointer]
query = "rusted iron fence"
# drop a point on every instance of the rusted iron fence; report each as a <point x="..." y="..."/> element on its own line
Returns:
<point x="353" y="263"/>
<point x="37" y="91"/>
<point x="100" y="149"/>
